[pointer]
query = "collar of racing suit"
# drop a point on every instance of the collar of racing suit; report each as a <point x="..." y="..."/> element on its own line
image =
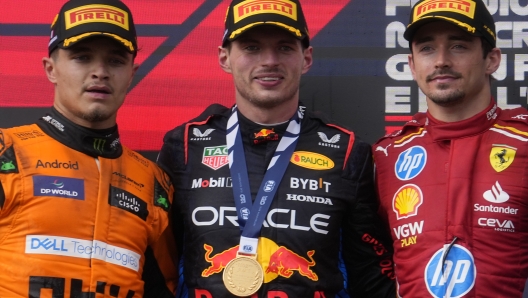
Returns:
<point x="93" y="142"/>
<point x="440" y="131"/>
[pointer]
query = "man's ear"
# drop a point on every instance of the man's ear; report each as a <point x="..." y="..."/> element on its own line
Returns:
<point x="493" y="60"/>
<point x="223" y="59"/>
<point x="308" y="59"/>
<point x="411" y="65"/>
<point x="49" y="68"/>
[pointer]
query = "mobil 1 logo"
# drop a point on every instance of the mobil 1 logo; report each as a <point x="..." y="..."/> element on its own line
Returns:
<point x="451" y="272"/>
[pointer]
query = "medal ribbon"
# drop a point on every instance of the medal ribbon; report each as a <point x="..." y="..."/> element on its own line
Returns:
<point x="251" y="216"/>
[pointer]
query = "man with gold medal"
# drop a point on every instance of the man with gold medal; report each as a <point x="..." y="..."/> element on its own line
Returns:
<point x="272" y="200"/>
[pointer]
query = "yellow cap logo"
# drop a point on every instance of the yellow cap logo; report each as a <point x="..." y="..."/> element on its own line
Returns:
<point x="254" y="7"/>
<point x="407" y="200"/>
<point x="96" y="13"/>
<point x="464" y="7"/>
<point x="501" y="157"/>
<point x="311" y="160"/>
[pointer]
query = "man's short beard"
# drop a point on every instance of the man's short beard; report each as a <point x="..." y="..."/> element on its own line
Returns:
<point x="447" y="100"/>
<point x="94" y="116"/>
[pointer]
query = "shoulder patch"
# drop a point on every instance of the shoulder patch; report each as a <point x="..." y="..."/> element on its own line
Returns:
<point x="161" y="197"/>
<point x="8" y="162"/>
<point x="517" y="115"/>
<point x="409" y="131"/>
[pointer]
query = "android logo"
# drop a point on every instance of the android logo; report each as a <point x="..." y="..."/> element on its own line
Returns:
<point x="7" y="166"/>
<point x="163" y="202"/>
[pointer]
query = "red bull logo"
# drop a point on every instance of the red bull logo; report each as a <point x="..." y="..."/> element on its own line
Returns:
<point x="464" y="7"/>
<point x="253" y="7"/>
<point x="265" y="135"/>
<point x="219" y="260"/>
<point x="96" y="13"/>
<point x="275" y="260"/>
<point x="284" y="261"/>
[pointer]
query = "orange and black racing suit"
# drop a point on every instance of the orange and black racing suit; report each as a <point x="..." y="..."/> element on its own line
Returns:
<point x="322" y="218"/>
<point x="81" y="216"/>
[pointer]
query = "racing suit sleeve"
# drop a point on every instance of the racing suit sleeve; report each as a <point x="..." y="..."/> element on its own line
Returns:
<point x="367" y="257"/>
<point x="160" y="267"/>
<point x="170" y="159"/>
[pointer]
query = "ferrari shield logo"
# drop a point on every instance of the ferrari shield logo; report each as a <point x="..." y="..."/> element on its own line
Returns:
<point x="501" y="157"/>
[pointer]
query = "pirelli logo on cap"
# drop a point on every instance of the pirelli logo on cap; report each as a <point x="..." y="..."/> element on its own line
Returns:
<point x="96" y="13"/>
<point x="255" y="7"/>
<point x="463" y="7"/>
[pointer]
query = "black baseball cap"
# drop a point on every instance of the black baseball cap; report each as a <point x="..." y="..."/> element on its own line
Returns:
<point x="80" y="19"/>
<point x="246" y="14"/>
<point x="470" y="15"/>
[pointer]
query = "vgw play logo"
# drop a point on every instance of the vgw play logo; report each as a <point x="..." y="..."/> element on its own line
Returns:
<point x="451" y="272"/>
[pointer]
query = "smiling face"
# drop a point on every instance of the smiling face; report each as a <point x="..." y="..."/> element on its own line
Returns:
<point x="449" y="67"/>
<point x="91" y="80"/>
<point x="266" y="63"/>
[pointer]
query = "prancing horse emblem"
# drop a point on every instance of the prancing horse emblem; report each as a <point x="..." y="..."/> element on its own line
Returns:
<point x="501" y="157"/>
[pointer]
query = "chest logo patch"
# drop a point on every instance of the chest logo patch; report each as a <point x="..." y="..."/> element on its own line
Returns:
<point x="312" y="160"/>
<point x="501" y="157"/>
<point x="450" y="272"/>
<point x="410" y="163"/>
<point x="215" y="157"/>
<point x="62" y="187"/>
<point x="406" y="201"/>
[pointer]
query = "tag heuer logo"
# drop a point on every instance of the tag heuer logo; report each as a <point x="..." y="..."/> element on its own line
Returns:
<point x="215" y="157"/>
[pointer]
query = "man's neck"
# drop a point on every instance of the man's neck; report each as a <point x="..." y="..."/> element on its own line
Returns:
<point x="458" y="112"/>
<point x="269" y="116"/>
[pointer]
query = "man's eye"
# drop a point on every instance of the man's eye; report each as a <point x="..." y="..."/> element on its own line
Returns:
<point x="81" y="57"/>
<point x="117" y="61"/>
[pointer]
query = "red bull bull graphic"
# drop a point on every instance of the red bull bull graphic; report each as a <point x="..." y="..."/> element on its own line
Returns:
<point x="265" y="135"/>
<point x="284" y="262"/>
<point x="219" y="260"/>
<point x="275" y="261"/>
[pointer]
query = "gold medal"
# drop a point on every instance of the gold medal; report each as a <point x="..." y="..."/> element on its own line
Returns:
<point x="243" y="276"/>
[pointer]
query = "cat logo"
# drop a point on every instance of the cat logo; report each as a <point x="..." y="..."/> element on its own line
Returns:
<point x="501" y="157"/>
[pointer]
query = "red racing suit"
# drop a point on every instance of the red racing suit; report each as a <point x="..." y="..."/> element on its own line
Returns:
<point x="456" y="198"/>
<point x="81" y="216"/>
<point x="323" y="215"/>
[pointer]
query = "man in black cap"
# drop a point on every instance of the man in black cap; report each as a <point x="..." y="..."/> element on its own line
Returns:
<point x="272" y="200"/>
<point x="80" y="214"/>
<point x="453" y="182"/>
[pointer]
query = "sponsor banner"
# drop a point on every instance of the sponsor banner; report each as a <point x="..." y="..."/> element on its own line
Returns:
<point x="85" y="249"/>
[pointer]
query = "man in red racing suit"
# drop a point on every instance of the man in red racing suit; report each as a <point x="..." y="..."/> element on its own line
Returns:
<point x="453" y="182"/>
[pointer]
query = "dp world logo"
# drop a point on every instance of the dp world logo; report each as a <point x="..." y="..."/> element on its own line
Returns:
<point x="452" y="276"/>
<point x="410" y="163"/>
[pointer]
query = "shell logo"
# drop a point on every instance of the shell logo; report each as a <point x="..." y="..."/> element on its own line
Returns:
<point x="406" y="201"/>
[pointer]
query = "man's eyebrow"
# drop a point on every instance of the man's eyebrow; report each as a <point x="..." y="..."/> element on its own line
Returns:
<point x="427" y="38"/>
